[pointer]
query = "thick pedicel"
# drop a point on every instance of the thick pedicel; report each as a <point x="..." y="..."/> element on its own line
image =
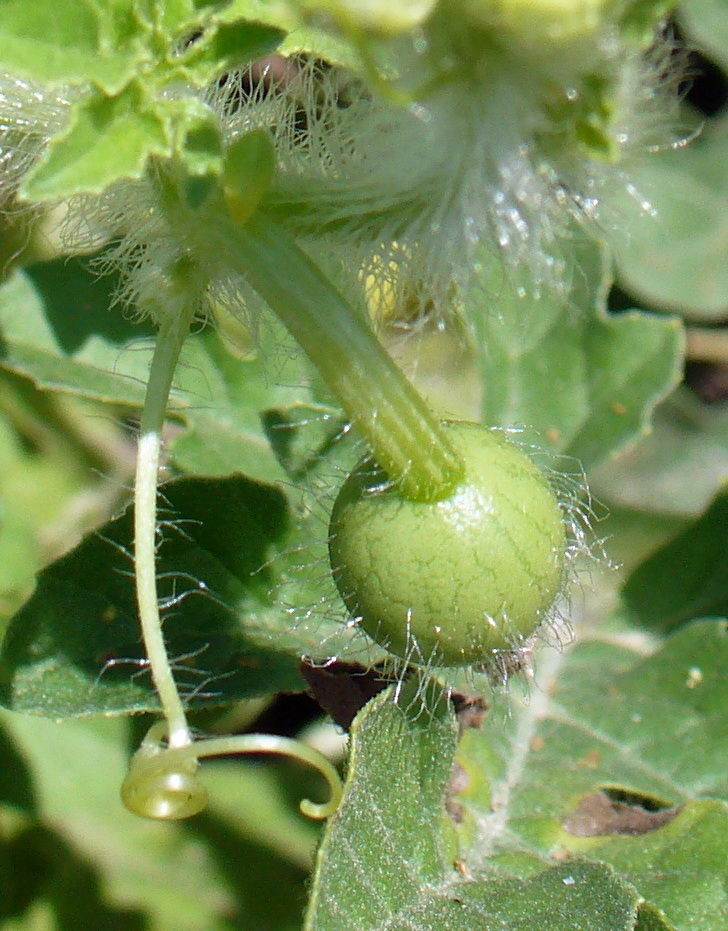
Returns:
<point x="449" y="583"/>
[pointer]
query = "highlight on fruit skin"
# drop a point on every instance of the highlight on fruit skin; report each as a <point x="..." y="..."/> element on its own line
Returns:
<point x="464" y="580"/>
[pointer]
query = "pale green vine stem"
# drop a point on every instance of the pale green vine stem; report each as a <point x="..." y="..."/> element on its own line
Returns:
<point x="171" y="336"/>
<point x="163" y="783"/>
<point x="281" y="746"/>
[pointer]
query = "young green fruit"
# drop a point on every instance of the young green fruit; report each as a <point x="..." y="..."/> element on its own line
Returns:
<point x="455" y="581"/>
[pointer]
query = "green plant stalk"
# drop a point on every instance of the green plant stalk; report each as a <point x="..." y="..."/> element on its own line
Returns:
<point x="406" y="439"/>
<point x="241" y="744"/>
<point x="163" y="782"/>
<point x="164" y="361"/>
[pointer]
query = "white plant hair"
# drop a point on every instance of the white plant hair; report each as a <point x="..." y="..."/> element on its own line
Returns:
<point x="396" y="200"/>
<point x="411" y="195"/>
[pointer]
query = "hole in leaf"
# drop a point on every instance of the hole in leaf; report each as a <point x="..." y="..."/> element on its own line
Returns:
<point x="614" y="810"/>
<point x="617" y="794"/>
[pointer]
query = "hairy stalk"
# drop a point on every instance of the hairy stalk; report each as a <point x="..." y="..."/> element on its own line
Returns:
<point x="166" y="353"/>
<point x="406" y="439"/>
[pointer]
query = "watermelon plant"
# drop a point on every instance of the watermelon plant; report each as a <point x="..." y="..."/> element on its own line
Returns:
<point x="363" y="382"/>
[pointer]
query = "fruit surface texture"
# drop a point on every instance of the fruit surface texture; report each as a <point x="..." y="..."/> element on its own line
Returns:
<point x="456" y="581"/>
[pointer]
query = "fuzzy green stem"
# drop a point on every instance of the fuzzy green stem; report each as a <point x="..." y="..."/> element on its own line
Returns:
<point x="406" y="439"/>
<point x="166" y="353"/>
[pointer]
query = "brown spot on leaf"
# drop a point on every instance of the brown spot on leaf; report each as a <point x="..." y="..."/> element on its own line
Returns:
<point x="459" y="782"/>
<point x="553" y="436"/>
<point x="563" y="853"/>
<point x="614" y="811"/>
<point x="470" y="711"/>
<point x="591" y="760"/>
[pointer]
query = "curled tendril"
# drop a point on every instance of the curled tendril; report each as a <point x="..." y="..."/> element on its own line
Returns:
<point x="163" y="782"/>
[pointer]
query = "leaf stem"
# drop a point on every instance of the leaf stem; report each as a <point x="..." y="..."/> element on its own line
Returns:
<point x="169" y="342"/>
<point x="406" y="439"/>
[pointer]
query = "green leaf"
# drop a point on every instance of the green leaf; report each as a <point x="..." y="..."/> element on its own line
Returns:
<point x="388" y="858"/>
<point x="107" y="138"/>
<point x="677" y="260"/>
<point x="685" y="579"/>
<point x="302" y="38"/>
<point x="231" y="45"/>
<point x="58" y="331"/>
<point x="16" y="786"/>
<point x="640" y="18"/>
<point x="706" y="25"/>
<point x="73" y="41"/>
<point x="63" y="306"/>
<point x="678" y="467"/>
<point x="75" y="647"/>
<point x="20" y="556"/>
<point x="42" y="475"/>
<point x="127" y="59"/>
<point x="226" y="402"/>
<point x="584" y="382"/>
<point x="522" y="801"/>
<point x="651" y="919"/>
<point x="617" y="757"/>
<point x="56" y="340"/>
<point x="682" y="866"/>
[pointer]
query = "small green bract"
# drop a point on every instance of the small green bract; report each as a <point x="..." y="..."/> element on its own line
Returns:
<point x="455" y="582"/>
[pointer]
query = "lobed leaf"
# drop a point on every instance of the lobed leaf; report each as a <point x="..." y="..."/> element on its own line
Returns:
<point x="582" y="780"/>
<point x="102" y="42"/>
<point x="678" y="467"/>
<point x="388" y="859"/>
<point x="583" y="381"/>
<point x="107" y="138"/>
<point x="676" y="261"/>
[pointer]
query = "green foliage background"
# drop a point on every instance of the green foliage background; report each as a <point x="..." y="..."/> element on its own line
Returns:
<point x="593" y="796"/>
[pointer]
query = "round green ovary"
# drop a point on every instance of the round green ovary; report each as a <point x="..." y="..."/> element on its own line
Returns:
<point x="453" y="581"/>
